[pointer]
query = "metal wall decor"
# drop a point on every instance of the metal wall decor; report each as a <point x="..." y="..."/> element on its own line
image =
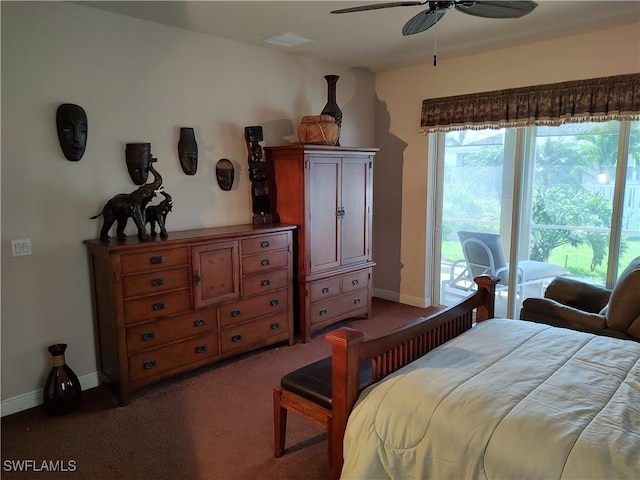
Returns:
<point x="71" y="124"/>
<point x="188" y="151"/>
<point x="225" y="174"/>
<point x="138" y="158"/>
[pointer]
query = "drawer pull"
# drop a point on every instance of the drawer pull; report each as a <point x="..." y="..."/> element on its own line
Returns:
<point x="275" y="325"/>
<point x="265" y="262"/>
<point x="149" y="364"/>
<point x="146" y="336"/>
<point x="236" y="338"/>
<point x="201" y="322"/>
<point x="356" y="301"/>
<point x="159" y="306"/>
<point x="156" y="282"/>
<point x="274" y="302"/>
<point x="196" y="277"/>
<point x="323" y="312"/>
<point x="201" y="348"/>
<point x="157" y="259"/>
<point x="236" y="313"/>
<point x="325" y="290"/>
<point x="355" y="282"/>
<point x="266" y="282"/>
<point x="265" y="244"/>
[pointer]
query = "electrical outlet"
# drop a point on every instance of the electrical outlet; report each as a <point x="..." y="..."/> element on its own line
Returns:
<point x="20" y="248"/>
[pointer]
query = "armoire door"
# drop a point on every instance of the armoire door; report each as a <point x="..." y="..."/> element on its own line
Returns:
<point x="323" y="216"/>
<point x="355" y="221"/>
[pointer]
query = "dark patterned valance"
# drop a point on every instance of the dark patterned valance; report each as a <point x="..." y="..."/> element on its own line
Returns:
<point x="593" y="100"/>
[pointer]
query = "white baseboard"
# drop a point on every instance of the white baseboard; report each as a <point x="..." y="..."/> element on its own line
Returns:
<point x="34" y="398"/>
<point x="401" y="298"/>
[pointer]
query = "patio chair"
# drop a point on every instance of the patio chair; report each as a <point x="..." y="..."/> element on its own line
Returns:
<point x="484" y="255"/>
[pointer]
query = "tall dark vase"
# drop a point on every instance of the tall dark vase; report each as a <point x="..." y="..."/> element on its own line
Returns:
<point x="62" y="390"/>
<point x="332" y="108"/>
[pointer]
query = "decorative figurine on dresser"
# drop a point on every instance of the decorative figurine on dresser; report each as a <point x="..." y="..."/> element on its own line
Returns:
<point x="328" y="193"/>
<point x="132" y="205"/>
<point x="260" y="191"/>
<point x="170" y="305"/>
<point x="158" y="214"/>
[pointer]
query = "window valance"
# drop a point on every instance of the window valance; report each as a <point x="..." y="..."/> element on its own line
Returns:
<point x="593" y="100"/>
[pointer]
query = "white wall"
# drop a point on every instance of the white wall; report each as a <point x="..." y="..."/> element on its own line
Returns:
<point x="402" y="227"/>
<point x="138" y="82"/>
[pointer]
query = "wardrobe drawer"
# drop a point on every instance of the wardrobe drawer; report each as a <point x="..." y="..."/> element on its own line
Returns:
<point x="323" y="289"/>
<point x="152" y="362"/>
<point x="267" y="261"/>
<point x="154" y="260"/>
<point x="355" y="281"/>
<point x="264" y="244"/>
<point x="326" y="310"/>
<point x="159" y="332"/>
<point x="155" y="306"/>
<point x="146" y="283"/>
<point x="264" y="282"/>
<point x="244" y="310"/>
<point x="240" y="336"/>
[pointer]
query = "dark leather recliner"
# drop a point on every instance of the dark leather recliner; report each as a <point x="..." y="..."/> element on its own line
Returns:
<point x="577" y="305"/>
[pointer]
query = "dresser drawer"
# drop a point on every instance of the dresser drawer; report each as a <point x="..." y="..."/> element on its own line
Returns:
<point x="153" y="362"/>
<point x="244" y="310"/>
<point x="264" y="244"/>
<point x="267" y="261"/>
<point x="160" y="281"/>
<point x="244" y="335"/>
<point x="154" y="260"/>
<point x="326" y="310"/>
<point x="264" y="282"/>
<point x="323" y="289"/>
<point x="159" y="332"/>
<point x="355" y="281"/>
<point x="155" y="306"/>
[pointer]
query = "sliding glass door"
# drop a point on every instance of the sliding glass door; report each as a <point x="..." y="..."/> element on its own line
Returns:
<point x="530" y="204"/>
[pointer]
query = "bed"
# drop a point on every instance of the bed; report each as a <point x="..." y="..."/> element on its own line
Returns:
<point x="461" y="394"/>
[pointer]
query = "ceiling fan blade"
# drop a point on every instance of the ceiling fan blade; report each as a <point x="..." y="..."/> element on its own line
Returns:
<point x="422" y="21"/>
<point x="499" y="9"/>
<point x="377" y="6"/>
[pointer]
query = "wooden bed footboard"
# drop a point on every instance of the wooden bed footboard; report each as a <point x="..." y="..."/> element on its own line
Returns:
<point x="351" y="353"/>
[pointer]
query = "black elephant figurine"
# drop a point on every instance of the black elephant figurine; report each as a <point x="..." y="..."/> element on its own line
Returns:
<point x="158" y="214"/>
<point x="123" y="206"/>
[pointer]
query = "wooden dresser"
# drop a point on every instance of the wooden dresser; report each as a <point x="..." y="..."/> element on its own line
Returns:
<point x="167" y="306"/>
<point x="328" y="192"/>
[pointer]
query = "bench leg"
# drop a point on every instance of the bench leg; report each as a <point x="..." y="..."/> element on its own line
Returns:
<point x="279" y="422"/>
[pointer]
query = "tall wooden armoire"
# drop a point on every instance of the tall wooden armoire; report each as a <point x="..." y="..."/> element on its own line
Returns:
<point x="328" y="192"/>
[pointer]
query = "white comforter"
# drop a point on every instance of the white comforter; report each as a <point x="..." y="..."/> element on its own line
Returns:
<point x="509" y="399"/>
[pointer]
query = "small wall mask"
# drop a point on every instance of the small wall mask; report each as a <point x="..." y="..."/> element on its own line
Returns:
<point x="188" y="151"/>
<point x="225" y="174"/>
<point x="71" y="123"/>
<point x="138" y="156"/>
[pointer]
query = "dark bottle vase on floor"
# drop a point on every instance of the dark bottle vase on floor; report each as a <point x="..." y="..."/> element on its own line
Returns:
<point x="332" y="108"/>
<point x="62" y="390"/>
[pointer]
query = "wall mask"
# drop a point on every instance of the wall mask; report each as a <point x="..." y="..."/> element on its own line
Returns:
<point x="71" y="123"/>
<point x="188" y="151"/>
<point x="138" y="156"/>
<point x="225" y="174"/>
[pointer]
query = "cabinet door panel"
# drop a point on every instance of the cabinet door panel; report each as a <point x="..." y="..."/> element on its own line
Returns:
<point x="324" y="194"/>
<point x="355" y="203"/>
<point x="215" y="267"/>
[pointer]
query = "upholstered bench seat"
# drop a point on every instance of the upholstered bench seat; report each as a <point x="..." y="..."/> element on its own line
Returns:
<point x="312" y="382"/>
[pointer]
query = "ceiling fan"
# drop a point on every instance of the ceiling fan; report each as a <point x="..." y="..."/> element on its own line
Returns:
<point x="429" y="17"/>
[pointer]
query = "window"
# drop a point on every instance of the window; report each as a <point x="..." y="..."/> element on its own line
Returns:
<point x="530" y="203"/>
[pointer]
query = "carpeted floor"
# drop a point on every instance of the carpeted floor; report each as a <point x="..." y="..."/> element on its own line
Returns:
<point x="215" y="423"/>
